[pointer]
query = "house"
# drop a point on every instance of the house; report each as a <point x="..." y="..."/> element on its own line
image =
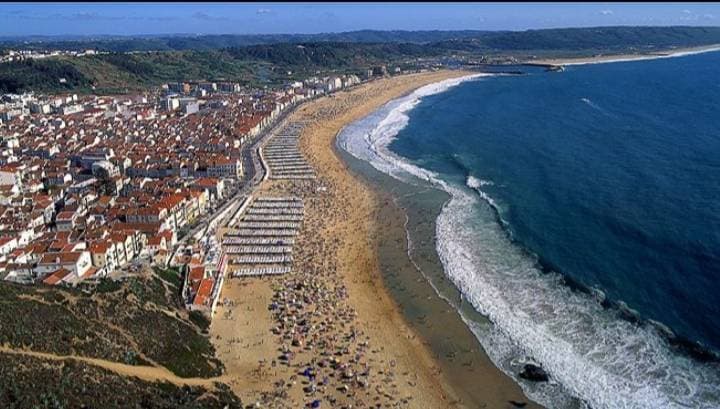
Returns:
<point x="9" y="177"/>
<point x="170" y="237"/>
<point x="125" y="245"/>
<point x="161" y="257"/>
<point x="220" y="167"/>
<point x="214" y="186"/>
<point x="151" y="214"/>
<point x="77" y="262"/>
<point x="7" y="245"/>
<point x="58" y="276"/>
<point x="156" y="243"/>
<point x="103" y="256"/>
<point x="66" y="220"/>
<point x="203" y="296"/>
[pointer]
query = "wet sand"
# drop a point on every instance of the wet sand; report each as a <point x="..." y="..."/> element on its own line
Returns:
<point x="332" y="328"/>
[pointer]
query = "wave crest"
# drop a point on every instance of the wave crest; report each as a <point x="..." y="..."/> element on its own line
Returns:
<point x="606" y="361"/>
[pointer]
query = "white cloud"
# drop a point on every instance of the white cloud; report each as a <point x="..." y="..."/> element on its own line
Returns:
<point x="606" y="12"/>
<point x="201" y="15"/>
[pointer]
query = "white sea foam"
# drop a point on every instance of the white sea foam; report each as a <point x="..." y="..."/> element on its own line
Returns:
<point x="475" y="183"/>
<point x="595" y="356"/>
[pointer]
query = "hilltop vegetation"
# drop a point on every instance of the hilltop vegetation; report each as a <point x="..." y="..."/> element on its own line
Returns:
<point x="41" y="75"/>
<point x="30" y="382"/>
<point x="267" y="59"/>
<point x="252" y="65"/>
<point x="574" y="38"/>
<point x="107" y="321"/>
<point x="109" y="325"/>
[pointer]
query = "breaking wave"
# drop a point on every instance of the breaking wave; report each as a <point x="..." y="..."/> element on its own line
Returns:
<point x="590" y="352"/>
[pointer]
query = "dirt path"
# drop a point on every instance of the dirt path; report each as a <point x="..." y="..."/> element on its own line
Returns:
<point x="146" y="373"/>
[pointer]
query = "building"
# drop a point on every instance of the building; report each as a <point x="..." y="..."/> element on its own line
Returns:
<point x="220" y="167"/>
<point x="191" y="108"/>
<point x="77" y="262"/>
<point x="170" y="104"/>
<point x="103" y="256"/>
<point x="105" y="170"/>
<point x="37" y="107"/>
<point x="70" y="109"/>
<point x="66" y="220"/>
<point x="7" y="245"/>
<point x="379" y="71"/>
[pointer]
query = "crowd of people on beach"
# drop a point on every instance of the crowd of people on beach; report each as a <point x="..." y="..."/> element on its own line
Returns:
<point x="331" y="360"/>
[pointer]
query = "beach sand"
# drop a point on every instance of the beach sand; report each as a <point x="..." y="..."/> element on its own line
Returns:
<point x="333" y="314"/>
<point x="627" y="57"/>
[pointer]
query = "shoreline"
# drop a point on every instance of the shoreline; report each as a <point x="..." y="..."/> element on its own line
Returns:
<point x="347" y="223"/>
<point x="386" y="227"/>
<point x="377" y="144"/>
<point x="603" y="59"/>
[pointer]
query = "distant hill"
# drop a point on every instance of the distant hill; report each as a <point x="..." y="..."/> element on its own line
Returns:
<point x="209" y="42"/>
<point x="565" y="38"/>
<point x="268" y="59"/>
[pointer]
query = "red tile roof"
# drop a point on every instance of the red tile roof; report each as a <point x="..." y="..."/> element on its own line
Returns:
<point x="204" y="291"/>
<point x="56" y="276"/>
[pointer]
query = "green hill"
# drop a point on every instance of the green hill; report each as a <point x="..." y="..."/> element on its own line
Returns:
<point x="266" y="59"/>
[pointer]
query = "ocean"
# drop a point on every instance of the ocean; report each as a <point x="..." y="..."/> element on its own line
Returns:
<point x="583" y="220"/>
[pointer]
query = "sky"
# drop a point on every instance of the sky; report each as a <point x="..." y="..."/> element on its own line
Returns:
<point x="19" y="19"/>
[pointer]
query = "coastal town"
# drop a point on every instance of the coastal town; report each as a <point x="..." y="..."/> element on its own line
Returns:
<point x="355" y="206"/>
<point x="207" y="183"/>
<point x="96" y="187"/>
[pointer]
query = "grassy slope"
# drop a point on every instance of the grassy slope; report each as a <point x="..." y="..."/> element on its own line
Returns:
<point x="36" y="383"/>
<point x="110" y="323"/>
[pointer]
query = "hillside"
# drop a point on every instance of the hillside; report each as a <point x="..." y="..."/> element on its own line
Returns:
<point x="574" y="38"/>
<point x="266" y="59"/>
<point x="78" y="338"/>
<point x="208" y="42"/>
<point x="251" y="65"/>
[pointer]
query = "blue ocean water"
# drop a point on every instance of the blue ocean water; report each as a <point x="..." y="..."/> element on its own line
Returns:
<point x="603" y="177"/>
<point x="610" y="173"/>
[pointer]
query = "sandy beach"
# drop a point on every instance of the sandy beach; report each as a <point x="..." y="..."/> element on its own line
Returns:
<point x="678" y="52"/>
<point x="329" y="333"/>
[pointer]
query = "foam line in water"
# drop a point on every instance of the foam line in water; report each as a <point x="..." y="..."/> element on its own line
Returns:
<point x="606" y="361"/>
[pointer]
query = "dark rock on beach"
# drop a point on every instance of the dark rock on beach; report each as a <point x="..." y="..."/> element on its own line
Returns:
<point x="534" y="373"/>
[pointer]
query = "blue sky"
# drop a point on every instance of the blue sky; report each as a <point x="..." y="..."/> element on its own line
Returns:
<point x="264" y="18"/>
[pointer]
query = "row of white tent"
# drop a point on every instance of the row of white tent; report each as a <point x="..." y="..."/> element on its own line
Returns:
<point x="262" y="241"/>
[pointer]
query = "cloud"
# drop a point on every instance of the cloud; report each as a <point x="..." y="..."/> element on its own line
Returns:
<point x="606" y="12"/>
<point x="690" y="16"/>
<point x="161" y="18"/>
<point x="263" y="11"/>
<point x="84" y="15"/>
<point x="201" y="15"/>
<point x="76" y="16"/>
